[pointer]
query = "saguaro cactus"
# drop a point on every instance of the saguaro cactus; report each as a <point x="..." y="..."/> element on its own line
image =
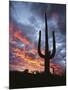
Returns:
<point x="48" y="54"/>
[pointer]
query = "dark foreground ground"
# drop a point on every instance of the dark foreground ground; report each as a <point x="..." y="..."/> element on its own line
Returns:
<point x="25" y="80"/>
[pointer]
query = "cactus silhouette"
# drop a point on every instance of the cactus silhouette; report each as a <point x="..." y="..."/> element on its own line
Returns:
<point x="48" y="54"/>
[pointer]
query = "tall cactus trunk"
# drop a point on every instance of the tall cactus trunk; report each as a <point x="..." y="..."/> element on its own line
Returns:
<point x="48" y="55"/>
<point x="47" y="62"/>
<point x="47" y="66"/>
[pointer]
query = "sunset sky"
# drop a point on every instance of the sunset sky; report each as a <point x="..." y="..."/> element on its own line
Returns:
<point x="26" y="19"/>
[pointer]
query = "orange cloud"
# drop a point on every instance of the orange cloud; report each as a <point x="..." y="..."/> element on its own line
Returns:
<point x="24" y="40"/>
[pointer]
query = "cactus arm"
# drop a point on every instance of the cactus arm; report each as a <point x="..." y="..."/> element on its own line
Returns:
<point x="54" y="46"/>
<point x="39" y="45"/>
